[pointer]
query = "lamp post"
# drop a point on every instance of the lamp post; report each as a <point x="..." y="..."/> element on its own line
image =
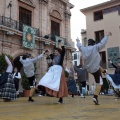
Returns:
<point x="10" y="6"/>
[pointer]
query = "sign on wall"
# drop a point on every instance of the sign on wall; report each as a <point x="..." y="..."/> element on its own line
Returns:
<point x="57" y="38"/>
<point x="113" y="55"/>
<point x="28" y="37"/>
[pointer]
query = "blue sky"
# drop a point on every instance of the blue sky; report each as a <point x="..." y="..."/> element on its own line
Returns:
<point x="78" y="20"/>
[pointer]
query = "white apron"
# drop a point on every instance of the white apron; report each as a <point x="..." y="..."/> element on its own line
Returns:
<point x="51" y="79"/>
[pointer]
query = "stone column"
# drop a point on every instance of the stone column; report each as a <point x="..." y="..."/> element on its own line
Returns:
<point x="67" y="26"/>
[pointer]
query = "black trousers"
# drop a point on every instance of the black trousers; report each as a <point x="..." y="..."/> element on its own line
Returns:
<point x="83" y="83"/>
<point x="31" y="80"/>
<point x="16" y="82"/>
<point x="97" y="76"/>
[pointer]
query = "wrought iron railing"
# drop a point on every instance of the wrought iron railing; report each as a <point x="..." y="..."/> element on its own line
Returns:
<point x="14" y="24"/>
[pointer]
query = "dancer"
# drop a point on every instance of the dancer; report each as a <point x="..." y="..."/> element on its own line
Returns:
<point x="71" y="84"/>
<point x="54" y="79"/>
<point x="28" y="67"/>
<point x="117" y="67"/>
<point x="92" y="58"/>
<point x="81" y="74"/>
<point x="116" y="76"/>
<point x="7" y="86"/>
<point x="105" y="86"/>
<point x="16" y="78"/>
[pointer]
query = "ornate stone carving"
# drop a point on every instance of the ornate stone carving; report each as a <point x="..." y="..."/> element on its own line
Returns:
<point x="55" y="14"/>
<point x="29" y="2"/>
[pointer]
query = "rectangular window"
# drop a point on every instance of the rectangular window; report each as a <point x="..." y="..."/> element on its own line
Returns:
<point x="108" y="10"/>
<point x="103" y="59"/>
<point x="55" y="29"/>
<point x="98" y="15"/>
<point x="75" y="56"/>
<point x="25" y="16"/>
<point x="113" y="55"/>
<point x="99" y="35"/>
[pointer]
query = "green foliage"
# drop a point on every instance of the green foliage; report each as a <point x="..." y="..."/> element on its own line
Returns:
<point x="25" y="83"/>
<point x="3" y="64"/>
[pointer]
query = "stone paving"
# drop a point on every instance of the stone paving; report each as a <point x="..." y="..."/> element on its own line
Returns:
<point x="46" y="108"/>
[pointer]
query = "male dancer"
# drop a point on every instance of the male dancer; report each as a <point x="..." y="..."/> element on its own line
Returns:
<point x="81" y="74"/>
<point x="28" y="67"/>
<point x="92" y="59"/>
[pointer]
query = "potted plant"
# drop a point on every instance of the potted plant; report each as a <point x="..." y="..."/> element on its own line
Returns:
<point x="26" y="86"/>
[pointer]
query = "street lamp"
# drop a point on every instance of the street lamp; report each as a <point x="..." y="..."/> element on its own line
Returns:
<point x="10" y="6"/>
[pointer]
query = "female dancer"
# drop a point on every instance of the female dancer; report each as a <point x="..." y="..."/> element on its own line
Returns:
<point x="54" y="79"/>
<point x="71" y="84"/>
<point x="7" y="87"/>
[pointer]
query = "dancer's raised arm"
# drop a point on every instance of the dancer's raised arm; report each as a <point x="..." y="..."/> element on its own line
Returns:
<point x="10" y="67"/>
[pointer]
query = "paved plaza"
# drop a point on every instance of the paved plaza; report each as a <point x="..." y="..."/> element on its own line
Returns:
<point x="46" y="108"/>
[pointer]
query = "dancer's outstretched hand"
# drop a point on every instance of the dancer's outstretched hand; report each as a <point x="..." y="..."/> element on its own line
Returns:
<point x="109" y="34"/>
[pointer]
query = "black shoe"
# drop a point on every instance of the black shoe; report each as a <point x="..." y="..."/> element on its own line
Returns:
<point x="72" y="96"/>
<point x="60" y="100"/>
<point x="95" y="101"/>
<point x="30" y="99"/>
<point x="17" y="96"/>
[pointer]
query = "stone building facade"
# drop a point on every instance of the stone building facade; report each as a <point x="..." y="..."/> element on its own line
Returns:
<point x="48" y="17"/>
<point x="102" y="18"/>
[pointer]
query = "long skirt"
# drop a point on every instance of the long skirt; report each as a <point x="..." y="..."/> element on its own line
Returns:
<point x="109" y="78"/>
<point x="116" y="78"/>
<point x="71" y="85"/>
<point x="8" y="91"/>
<point x="63" y="91"/>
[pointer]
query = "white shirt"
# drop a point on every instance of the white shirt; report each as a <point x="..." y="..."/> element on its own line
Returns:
<point x="28" y="65"/>
<point x="18" y="76"/>
<point x="10" y="67"/>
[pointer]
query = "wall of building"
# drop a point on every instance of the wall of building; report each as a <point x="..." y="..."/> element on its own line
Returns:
<point x="109" y="23"/>
<point x="41" y="19"/>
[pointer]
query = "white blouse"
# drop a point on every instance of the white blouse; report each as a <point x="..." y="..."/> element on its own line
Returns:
<point x="10" y="67"/>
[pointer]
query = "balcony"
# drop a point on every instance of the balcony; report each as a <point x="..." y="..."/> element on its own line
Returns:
<point x="14" y="24"/>
<point x="19" y="26"/>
